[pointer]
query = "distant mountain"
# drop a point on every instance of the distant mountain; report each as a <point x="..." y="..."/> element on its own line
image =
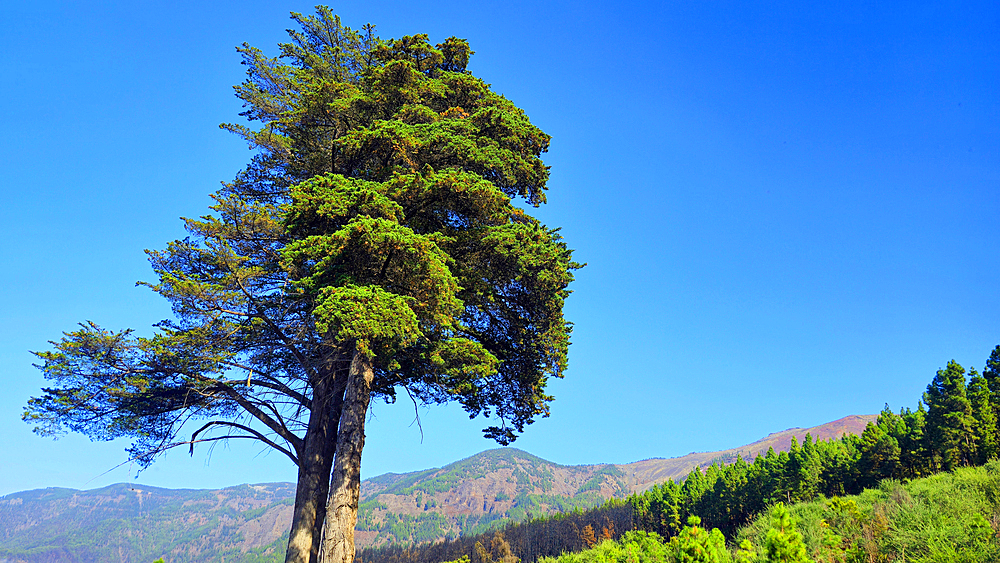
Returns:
<point x="641" y="475"/>
<point x="468" y="496"/>
<point x="249" y="523"/>
<point x="136" y="523"/>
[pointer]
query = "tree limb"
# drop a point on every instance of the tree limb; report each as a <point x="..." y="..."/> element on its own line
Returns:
<point x="255" y="435"/>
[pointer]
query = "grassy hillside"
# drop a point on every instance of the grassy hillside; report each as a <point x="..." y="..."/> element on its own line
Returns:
<point x="946" y="518"/>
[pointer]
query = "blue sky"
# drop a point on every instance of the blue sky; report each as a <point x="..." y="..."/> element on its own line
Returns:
<point x="789" y="212"/>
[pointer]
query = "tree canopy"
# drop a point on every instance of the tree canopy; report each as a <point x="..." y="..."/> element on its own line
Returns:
<point x="371" y="246"/>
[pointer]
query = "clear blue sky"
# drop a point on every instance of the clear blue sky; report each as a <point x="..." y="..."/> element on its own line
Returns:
<point x="789" y="211"/>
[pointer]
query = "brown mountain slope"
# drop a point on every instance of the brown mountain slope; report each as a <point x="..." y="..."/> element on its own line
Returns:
<point x="641" y="475"/>
<point x="468" y="496"/>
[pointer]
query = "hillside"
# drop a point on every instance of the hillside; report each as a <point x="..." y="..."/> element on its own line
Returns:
<point x="949" y="517"/>
<point x="246" y="523"/>
<point x="468" y="496"/>
<point x="646" y="473"/>
<point x="138" y="523"/>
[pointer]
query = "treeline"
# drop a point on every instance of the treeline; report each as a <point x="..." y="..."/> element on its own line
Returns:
<point x="528" y="540"/>
<point x="954" y="425"/>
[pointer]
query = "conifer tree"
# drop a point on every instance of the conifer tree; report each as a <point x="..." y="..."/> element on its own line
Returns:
<point x="783" y="542"/>
<point x="697" y="545"/>
<point x="371" y="247"/>
<point x="950" y="422"/>
<point x="986" y="422"/>
<point x="880" y="451"/>
<point x="991" y="373"/>
<point x="913" y="456"/>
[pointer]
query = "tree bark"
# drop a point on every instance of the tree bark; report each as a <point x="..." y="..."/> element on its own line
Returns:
<point x="315" y="462"/>
<point x="345" y="486"/>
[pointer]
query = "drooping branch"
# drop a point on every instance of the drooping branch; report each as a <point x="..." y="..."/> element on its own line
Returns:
<point x="260" y="415"/>
<point x="254" y="434"/>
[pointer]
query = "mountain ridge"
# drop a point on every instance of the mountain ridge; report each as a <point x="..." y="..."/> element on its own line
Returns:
<point x="249" y="522"/>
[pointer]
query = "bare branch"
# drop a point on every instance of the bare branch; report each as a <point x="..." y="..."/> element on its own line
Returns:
<point x="255" y="434"/>
<point x="416" y="414"/>
<point x="270" y="383"/>
<point x="260" y="415"/>
<point x="289" y="344"/>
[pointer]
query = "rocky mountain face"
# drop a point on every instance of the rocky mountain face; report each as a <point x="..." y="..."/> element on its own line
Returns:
<point x="249" y="523"/>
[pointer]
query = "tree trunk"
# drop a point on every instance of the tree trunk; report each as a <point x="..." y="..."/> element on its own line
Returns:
<point x="315" y="461"/>
<point x="345" y="486"/>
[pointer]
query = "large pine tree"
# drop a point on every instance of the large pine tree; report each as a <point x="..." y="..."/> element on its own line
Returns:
<point x="372" y="247"/>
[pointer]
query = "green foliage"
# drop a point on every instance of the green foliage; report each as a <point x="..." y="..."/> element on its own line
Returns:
<point x="987" y="446"/>
<point x="435" y="481"/>
<point x="481" y="524"/>
<point x="946" y="517"/>
<point x="991" y="373"/>
<point x="783" y="542"/>
<point x="879" y="450"/>
<point x="697" y="545"/>
<point x="693" y="545"/>
<point x="376" y="217"/>
<point x="595" y="482"/>
<point x="407" y="529"/>
<point x="633" y="547"/>
<point x="950" y="419"/>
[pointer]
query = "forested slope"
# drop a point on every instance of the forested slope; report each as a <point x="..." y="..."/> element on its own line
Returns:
<point x="954" y="426"/>
<point x="246" y="523"/>
<point x="950" y="517"/>
<point x="122" y="522"/>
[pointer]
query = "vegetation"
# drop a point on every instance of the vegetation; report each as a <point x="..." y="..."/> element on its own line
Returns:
<point x="950" y="517"/>
<point x="506" y="485"/>
<point x="808" y="507"/>
<point x="946" y="432"/>
<point x="371" y="246"/>
<point x="138" y="523"/>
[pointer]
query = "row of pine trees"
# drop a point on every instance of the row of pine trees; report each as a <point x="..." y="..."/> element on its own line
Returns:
<point x="956" y="424"/>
